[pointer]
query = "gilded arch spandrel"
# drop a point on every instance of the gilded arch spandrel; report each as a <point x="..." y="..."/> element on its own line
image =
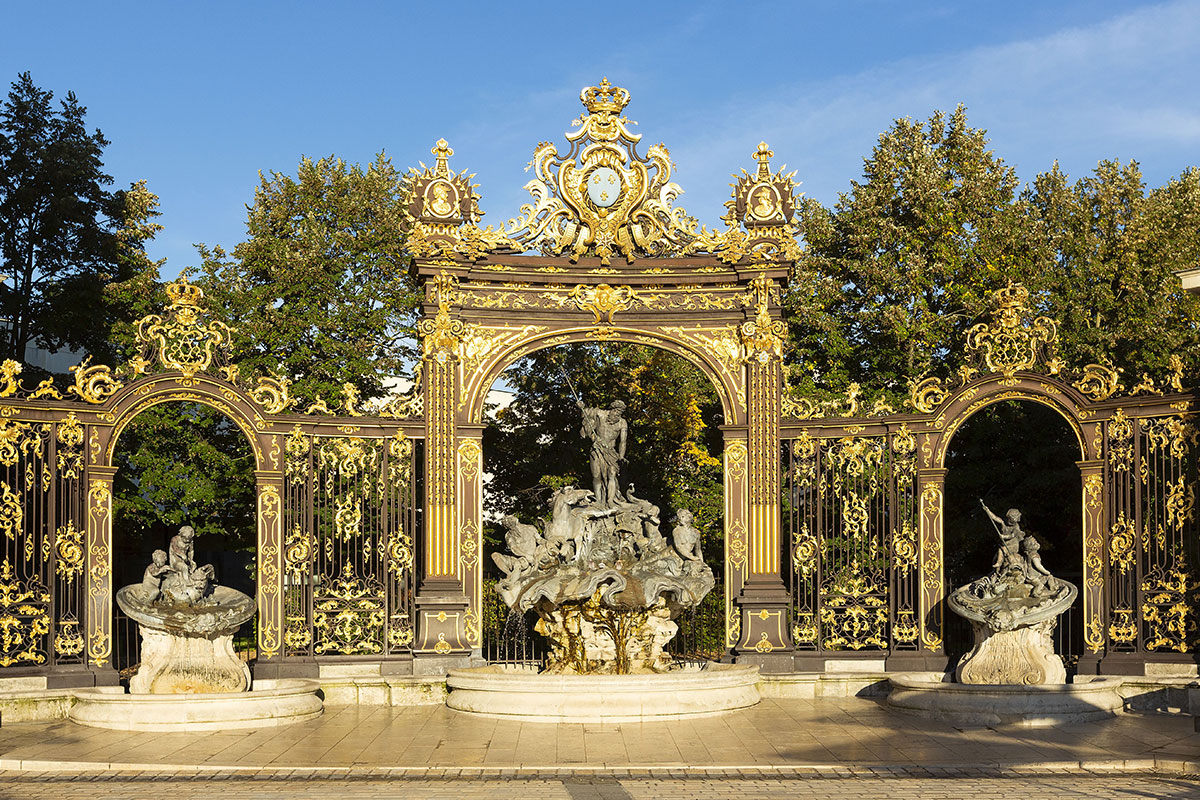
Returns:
<point x="216" y="394"/>
<point x="726" y="375"/>
<point x="953" y="412"/>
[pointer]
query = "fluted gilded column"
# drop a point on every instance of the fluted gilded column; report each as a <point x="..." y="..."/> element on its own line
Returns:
<point x="764" y="601"/>
<point x="441" y="602"/>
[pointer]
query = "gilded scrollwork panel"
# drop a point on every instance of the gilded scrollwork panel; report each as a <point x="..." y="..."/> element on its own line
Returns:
<point x="933" y="590"/>
<point x="270" y="571"/>
<point x="99" y="571"/>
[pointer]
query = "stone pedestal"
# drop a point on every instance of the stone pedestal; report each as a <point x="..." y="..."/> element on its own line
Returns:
<point x="1021" y="657"/>
<point x="188" y="649"/>
<point x="173" y="664"/>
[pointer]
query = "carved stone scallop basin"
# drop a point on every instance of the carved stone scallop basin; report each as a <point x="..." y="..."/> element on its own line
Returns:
<point x="928" y="695"/>
<point x="269" y="703"/>
<point x="519" y="693"/>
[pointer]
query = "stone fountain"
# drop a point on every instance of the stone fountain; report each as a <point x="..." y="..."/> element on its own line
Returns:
<point x="606" y="585"/>
<point x="1012" y="674"/>
<point x="190" y="677"/>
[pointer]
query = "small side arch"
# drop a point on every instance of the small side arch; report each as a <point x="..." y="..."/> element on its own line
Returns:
<point x="136" y="397"/>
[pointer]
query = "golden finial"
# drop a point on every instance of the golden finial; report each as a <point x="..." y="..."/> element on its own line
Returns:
<point x="442" y="152"/>
<point x="763" y="155"/>
<point x="604" y="99"/>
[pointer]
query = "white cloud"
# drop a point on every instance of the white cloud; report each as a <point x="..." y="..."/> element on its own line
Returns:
<point x="1122" y="88"/>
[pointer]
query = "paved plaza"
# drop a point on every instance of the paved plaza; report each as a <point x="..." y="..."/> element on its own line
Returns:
<point x="846" y="747"/>
<point x="853" y="785"/>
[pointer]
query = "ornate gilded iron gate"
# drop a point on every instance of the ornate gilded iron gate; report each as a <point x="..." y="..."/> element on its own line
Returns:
<point x="852" y="519"/>
<point x="351" y="517"/>
<point x="351" y="507"/>
<point x="42" y="562"/>
<point x="1151" y="564"/>
<point x="864" y="501"/>
<point x="338" y="506"/>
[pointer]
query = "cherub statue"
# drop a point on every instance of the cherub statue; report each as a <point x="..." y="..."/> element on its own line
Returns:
<point x="1011" y="535"/>
<point x="153" y="576"/>
<point x="1035" y="572"/>
<point x="183" y="552"/>
<point x="186" y="583"/>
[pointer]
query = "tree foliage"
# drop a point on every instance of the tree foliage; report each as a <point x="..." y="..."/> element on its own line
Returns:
<point x="534" y="446"/>
<point x="1106" y="253"/>
<point x="183" y="464"/>
<point x="320" y="291"/>
<point x="903" y="263"/>
<point x="64" y="238"/>
<point x="895" y="273"/>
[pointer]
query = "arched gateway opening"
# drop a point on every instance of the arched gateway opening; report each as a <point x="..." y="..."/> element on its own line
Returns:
<point x="182" y="463"/>
<point x="533" y="446"/>
<point x="1023" y="455"/>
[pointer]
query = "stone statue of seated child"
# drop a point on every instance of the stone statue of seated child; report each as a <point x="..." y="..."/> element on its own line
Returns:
<point x="153" y="577"/>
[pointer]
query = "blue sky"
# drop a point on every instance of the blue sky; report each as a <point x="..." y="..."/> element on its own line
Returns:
<point x="198" y="97"/>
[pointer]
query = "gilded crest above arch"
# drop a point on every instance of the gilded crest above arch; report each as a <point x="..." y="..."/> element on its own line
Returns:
<point x="603" y="199"/>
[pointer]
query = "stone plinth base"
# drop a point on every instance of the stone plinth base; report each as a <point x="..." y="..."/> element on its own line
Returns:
<point x="1024" y="656"/>
<point x="926" y="694"/>
<point x="269" y="704"/>
<point x="188" y="664"/>
<point x="516" y="693"/>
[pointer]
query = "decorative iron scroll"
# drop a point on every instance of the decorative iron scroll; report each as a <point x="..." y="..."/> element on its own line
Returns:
<point x="350" y="512"/>
<point x="1153" y="565"/>
<point x="1018" y="341"/>
<point x="853" y="521"/>
<point x="42" y="553"/>
<point x="604" y="199"/>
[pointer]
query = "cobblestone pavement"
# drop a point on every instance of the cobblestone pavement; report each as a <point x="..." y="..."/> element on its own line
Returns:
<point x="855" y="784"/>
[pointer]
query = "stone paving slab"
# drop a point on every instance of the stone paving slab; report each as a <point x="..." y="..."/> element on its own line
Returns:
<point x="779" y="734"/>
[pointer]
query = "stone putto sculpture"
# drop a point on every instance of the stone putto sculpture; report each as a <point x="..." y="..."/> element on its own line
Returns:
<point x="187" y="624"/>
<point x="604" y="581"/>
<point x="1013" y="612"/>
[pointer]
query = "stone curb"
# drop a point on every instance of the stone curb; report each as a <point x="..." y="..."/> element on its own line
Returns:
<point x="118" y="770"/>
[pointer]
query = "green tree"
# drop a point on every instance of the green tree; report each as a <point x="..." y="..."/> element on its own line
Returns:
<point x="1107" y="253"/>
<point x="63" y="236"/>
<point x="533" y="445"/>
<point x="893" y="275"/>
<point x="320" y="291"/>
<point x="183" y="464"/>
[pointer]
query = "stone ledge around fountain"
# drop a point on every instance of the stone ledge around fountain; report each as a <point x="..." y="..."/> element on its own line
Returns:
<point x="268" y="704"/>
<point x="929" y="695"/>
<point x="519" y="693"/>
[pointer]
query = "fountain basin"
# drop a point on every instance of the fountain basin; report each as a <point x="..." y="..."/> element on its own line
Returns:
<point x="929" y="695"/>
<point x="519" y="693"/>
<point x="268" y="704"/>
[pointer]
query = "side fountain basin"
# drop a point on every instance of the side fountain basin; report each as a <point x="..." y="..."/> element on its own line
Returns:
<point x="518" y="693"/>
<point x="270" y="703"/>
<point x="929" y="695"/>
